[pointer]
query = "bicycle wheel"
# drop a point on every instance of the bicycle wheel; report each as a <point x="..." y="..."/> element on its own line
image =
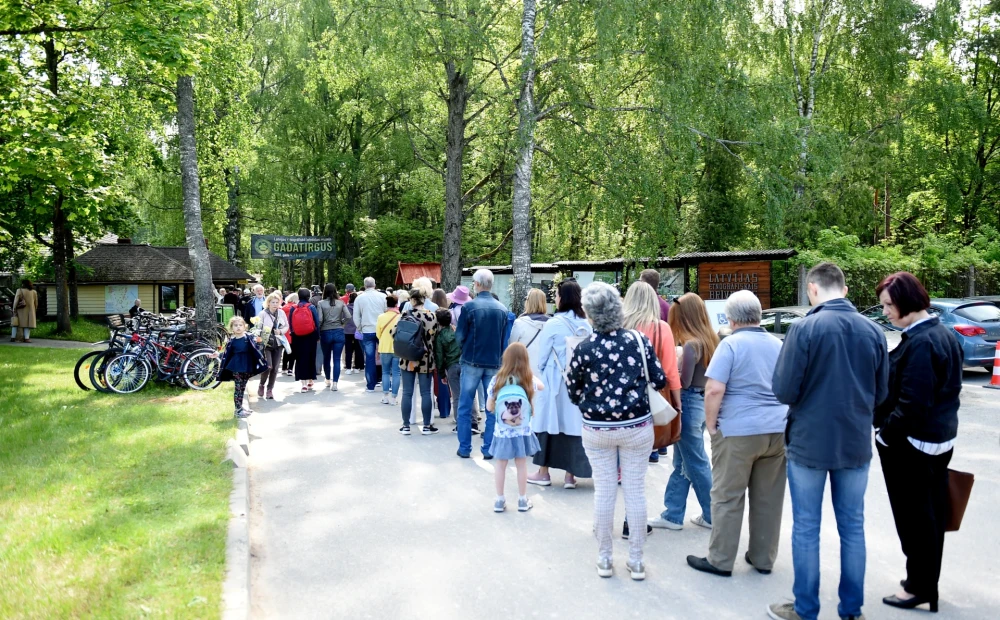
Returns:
<point x="201" y="370"/>
<point x="97" y="367"/>
<point x="83" y="365"/>
<point x="127" y="374"/>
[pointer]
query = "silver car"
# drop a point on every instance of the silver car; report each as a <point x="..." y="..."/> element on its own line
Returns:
<point x="778" y="320"/>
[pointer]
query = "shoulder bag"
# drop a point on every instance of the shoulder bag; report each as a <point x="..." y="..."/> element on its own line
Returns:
<point x="21" y="304"/>
<point x="663" y="412"/>
<point x="670" y="434"/>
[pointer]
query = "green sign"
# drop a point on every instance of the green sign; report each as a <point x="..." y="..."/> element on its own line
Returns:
<point x="274" y="246"/>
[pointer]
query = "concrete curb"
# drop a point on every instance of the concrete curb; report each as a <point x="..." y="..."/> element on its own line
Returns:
<point x="236" y="586"/>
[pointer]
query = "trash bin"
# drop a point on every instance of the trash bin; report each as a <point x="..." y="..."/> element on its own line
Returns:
<point x="224" y="312"/>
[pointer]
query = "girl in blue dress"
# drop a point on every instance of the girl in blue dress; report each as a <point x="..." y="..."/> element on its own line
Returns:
<point x="509" y="396"/>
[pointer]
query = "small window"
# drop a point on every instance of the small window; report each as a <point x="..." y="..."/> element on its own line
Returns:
<point x="189" y="295"/>
<point x="985" y="313"/>
<point x="169" y="297"/>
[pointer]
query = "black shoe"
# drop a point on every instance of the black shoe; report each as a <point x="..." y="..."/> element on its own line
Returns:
<point x="910" y="603"/>
<point x="762" y="571"/>
<point x="476" y="431"/>
<point x="487" y="457"/>
<point x="654" y="457"/>
<point x="702" y="564"/>
<point x="464" y="456"/>
<point x="649" y="530"/>
<point x="429" y="430"/>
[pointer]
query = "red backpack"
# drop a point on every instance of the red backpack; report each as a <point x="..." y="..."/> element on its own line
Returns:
<point x="302" y="321"/>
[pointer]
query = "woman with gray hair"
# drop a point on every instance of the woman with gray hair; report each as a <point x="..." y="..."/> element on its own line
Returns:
<point x="746" y="423"/>
<point x="606" y="378"/>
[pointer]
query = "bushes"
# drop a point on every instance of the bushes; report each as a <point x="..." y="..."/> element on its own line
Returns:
<point x="942" y="264"/>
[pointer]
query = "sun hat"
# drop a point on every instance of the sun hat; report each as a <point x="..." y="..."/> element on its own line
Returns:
<point x="459" y="296"/>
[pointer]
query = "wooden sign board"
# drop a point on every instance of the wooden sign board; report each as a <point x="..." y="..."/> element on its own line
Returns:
<point x="720" y="280"/>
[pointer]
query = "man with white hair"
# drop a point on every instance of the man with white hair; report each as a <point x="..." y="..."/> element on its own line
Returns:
<point x="255" y="305"/>
<point x="368" y="306"/>
<point x="746" y="424"/>
<point x="480" y="332"/>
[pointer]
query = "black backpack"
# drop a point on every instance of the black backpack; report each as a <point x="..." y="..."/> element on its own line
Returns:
<point x="408" y="342"/>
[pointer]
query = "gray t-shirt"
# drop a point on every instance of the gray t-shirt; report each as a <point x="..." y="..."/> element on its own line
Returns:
<point x="745" y="363"/>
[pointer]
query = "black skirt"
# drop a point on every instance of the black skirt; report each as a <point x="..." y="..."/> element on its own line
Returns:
<point x="563" y="452"/>
<point x="304" y="350"/>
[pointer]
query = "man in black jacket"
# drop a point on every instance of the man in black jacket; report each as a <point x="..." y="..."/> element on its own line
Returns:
<point x="832" y="372"/>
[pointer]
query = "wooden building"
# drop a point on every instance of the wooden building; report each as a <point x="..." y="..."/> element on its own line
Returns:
<point x="112" y="276"/>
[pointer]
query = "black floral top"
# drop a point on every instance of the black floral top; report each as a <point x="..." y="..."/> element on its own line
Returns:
<point x="605" y="379"/>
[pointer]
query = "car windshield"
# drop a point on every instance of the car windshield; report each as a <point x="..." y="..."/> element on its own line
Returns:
<point x="980" y="313"/>
<point x="875" y="314"/>
<point x="771" y="322"/>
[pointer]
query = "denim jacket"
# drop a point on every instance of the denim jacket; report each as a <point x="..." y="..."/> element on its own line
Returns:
<point x="481" y="329"/>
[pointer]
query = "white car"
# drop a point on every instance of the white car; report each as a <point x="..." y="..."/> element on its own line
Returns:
<point x="778" y="320"/>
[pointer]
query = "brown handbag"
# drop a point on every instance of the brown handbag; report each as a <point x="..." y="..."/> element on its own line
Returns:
<point x="669" y="434"/>
<point x="959" y="490"/>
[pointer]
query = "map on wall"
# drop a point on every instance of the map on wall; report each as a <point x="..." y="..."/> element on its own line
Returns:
<point x="118" y="298"/>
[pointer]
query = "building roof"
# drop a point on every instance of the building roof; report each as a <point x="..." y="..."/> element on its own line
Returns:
<point x="737" y="255"/>
<point x="221" y="270"/>
<point x="408" y="272"/>
<point x="508" y="269"/>
<point x="126" y="262"/>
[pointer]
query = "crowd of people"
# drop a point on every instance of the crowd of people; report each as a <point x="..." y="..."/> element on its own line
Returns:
<point x="571" y="391"/>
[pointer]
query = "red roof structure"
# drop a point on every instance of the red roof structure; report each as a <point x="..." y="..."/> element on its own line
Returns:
<point x="408" y="272"/>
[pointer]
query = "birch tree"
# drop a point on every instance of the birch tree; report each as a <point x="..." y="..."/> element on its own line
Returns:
<point x="521" y="203"/>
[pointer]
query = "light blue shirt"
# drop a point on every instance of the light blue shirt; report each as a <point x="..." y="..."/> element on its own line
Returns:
<point x="745" y="363"/>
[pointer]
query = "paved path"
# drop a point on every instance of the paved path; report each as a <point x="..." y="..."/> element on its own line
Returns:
<point x="49" y="344"/>
<point x="352" y="520"/>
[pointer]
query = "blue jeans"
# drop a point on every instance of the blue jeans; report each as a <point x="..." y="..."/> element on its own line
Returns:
<point x="390" y="374"/>
<point x="409" y="378"/>
<point x="444" y="395"/>
<point x="847" y="488"/>
<point x="332" y="343"/>
<point x="691" y="464"/>
<point x="369" y="343"/>
<point x="474" y="378"/>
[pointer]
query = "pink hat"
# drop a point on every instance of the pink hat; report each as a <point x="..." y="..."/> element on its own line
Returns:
<point x="459" y="296"/>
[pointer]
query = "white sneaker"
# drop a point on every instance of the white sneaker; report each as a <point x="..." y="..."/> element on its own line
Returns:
<point x="333" y="386"/>
<point x="384" y="401"/>
<point x="661" y="523"/>
<point x="328" y="382"/>
<point x="700" y="520"/>
<point x="393" y="401"/>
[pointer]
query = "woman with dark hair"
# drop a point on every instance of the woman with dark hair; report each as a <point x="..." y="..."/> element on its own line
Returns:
<point x="917" y="425"/>
<point x="304" y="319"/>
<point x="556" y="420"/>
<point x="333" y="316"/>
<point x="25" y="307"/>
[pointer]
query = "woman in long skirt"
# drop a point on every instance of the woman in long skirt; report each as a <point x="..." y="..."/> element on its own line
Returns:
<point x="303" y="342"/>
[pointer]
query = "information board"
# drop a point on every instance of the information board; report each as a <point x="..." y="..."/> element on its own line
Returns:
<point x="292" y="248"/>
<point x="720" y="280"/>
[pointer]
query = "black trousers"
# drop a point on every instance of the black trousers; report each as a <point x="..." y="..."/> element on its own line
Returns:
<point x="918" y="493"/>
<point x="354" y="357"/>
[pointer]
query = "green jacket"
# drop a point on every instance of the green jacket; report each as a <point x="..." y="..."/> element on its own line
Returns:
<point x="446" y="349"/>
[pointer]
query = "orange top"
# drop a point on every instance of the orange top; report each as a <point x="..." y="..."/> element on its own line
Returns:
<point x="662" y="340"/>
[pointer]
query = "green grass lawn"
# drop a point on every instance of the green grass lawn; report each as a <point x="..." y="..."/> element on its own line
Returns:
<point x="83" y="331"/>
<point x="110" y="506"/>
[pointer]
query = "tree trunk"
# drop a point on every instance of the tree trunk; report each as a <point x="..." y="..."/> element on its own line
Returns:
<point x="201" y="265"/>
<point x="59" y="232"/>
<point x="232" y="230"/>
<point x="59" y="266"/>
<point x="451" y="255"/>
<point x="521" y="253"/>
<point x="74" y="296"/>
